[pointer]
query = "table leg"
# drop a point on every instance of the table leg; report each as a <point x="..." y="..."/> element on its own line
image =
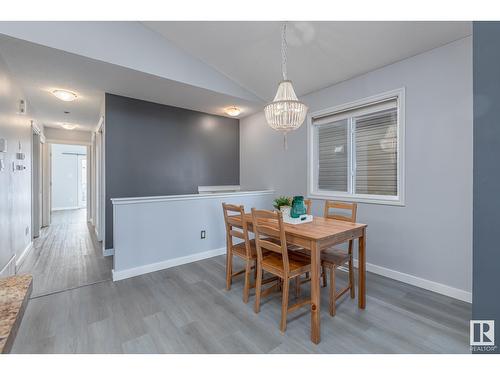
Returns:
<point x="315" y="293"/>
<point x="362" y="271"/>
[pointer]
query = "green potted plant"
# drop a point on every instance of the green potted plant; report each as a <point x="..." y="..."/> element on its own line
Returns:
<point x="283" y="204"/>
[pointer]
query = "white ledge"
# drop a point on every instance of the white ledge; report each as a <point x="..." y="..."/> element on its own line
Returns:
<point x="166" y="198"/>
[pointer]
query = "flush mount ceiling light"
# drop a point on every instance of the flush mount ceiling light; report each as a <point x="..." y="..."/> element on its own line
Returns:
<point x="232" y="111"/>
<point x="68" y="126"/>
<point x="285" y="113"/>
<point x="65" y="95"/>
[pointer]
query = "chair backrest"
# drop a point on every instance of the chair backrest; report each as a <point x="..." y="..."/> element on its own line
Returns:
<point x="308" y="204"/>
<point x="344" y="206"/>
<point x="236" y="228"/>
<point x="270" y="234"/>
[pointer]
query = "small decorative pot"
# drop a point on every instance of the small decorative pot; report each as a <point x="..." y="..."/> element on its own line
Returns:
<point x="285" y="210"/>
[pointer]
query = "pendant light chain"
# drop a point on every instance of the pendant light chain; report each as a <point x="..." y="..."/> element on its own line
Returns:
<point x="283" y="51"/>
<point x="283" y="70"/>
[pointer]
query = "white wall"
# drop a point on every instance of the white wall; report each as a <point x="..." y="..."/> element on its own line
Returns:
<point x="58" y="135"/>
<point x="15" y="186"/>
<point x="67" y="176"/>
<point x="431" y="237"/>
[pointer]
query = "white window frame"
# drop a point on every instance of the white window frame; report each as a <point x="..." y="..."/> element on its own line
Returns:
<point x="312" y="164"/>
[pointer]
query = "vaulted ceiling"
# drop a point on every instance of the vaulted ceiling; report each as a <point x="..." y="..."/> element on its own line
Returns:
<point x="319" y="53"/>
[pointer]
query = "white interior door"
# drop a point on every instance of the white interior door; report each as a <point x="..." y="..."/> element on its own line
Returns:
<point x="46" y="190"/>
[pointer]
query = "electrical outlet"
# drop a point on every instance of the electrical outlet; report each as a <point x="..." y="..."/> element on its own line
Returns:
<point x="203" y="235"/>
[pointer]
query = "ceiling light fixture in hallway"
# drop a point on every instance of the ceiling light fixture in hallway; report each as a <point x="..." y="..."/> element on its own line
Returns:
<point x="65" y="95"/>
<point x="68" y="126"/>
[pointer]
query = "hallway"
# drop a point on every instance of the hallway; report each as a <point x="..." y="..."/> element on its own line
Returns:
<point x="66" y="255"/>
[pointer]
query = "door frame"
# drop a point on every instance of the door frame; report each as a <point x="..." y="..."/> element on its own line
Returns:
<point x="99" y="184"/>
<point x="47" y="176"/>
<point x="37" y="185"/>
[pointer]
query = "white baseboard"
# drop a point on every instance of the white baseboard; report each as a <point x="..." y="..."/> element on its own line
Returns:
<point x="131" y="272"/>
<point x="108" y="252"/>
<point x="97" y="234"/>
<point x="10" y="268"/>
<point x="433" y="286"/>
<point x="67" y="208"/>
<point x="20" y="259"/>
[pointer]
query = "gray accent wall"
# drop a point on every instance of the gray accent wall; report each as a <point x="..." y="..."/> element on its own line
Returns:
<point x="486" y="304"/>
<point x="153" y="150"/>
<point x="427" y="242"/>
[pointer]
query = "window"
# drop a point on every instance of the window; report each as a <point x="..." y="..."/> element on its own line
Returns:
<point x="356" y="151"/>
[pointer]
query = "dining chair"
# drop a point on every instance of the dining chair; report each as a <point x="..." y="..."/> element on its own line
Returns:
<point x="270" y="236"/>
<point x="333" y="258"/>
<point x="244" y="249"/>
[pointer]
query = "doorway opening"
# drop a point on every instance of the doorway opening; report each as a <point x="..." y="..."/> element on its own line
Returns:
<point x="69" y="182"/>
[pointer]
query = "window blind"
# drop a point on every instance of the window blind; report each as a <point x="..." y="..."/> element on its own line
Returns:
<point x="365" y="109"/>
<point x="375" y="138"/>
<point x="333" y="156"/>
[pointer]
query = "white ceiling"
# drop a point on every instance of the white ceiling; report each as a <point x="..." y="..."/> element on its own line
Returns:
<point x="319" y="54"/>
<point x="39" y="71"/>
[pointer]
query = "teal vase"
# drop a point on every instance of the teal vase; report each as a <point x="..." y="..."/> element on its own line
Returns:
<point x="298" y="207"/>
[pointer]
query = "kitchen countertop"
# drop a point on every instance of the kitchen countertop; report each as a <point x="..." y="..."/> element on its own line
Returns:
<point x="14" y="295"/>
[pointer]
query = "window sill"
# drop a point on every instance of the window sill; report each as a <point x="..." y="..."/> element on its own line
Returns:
<point x="358" y="199"/>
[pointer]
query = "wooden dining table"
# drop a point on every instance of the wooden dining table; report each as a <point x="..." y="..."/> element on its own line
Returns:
<point x="316" y="236"/>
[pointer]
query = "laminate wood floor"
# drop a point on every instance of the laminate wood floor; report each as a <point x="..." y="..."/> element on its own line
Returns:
<point x="66" y="255"/>
<point x="186" y="309"/>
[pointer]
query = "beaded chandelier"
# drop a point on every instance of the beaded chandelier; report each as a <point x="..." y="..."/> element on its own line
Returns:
<point x="285" y="113"/>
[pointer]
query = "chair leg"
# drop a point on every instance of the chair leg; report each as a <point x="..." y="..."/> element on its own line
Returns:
<point x="255" y="270"/>
<point x="332" y="292"/>
<point x="351" y="279"/>
<point x="297" y="286"/>
<point x="246" y="288"/>
<point x="229" y="269"/>
<point x="324" y="277"/>
<point x="284" y="304"/>
<point x="258" y="286"/>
